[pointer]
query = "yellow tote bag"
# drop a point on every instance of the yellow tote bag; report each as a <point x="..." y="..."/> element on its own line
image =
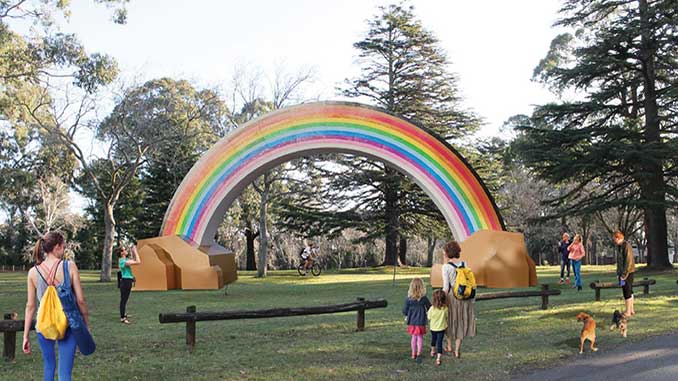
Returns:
<point x="52" y="322"/>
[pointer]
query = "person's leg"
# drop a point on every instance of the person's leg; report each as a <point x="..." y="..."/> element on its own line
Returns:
<point x="567" y="261"/>
<point x="420" y="344"/>
<point x="125" y="290"/>
<point x="457" y="348"/>
<point x="48" y="358"/>
<point x="439" y="342"/>
<point x="562" y="268"/>
<point x="413" y="345"/>
<point x="66" y="356"/>
<point x="434" y="339"/>
<point x="576" y="268"/>
<point x="628" y="295"/>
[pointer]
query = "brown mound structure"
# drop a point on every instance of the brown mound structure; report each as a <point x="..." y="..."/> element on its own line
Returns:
<point x="171" y="262"/>
<point x="498" y="259"/>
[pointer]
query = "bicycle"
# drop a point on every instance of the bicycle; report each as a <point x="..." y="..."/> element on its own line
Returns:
<point x="314" y="268"/>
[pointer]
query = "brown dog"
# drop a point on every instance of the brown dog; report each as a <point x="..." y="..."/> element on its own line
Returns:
<point x="619" y="320"/>
<point x="588" y="332"/>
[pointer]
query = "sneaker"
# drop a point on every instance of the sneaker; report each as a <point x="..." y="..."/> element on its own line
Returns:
<point x="567" y="280"/>
<point x="561" y="281"/>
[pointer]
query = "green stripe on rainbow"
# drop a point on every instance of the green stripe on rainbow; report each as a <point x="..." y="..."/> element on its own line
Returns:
<point x="219" y="176"/>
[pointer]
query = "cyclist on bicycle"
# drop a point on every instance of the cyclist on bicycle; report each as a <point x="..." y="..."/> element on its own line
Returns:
<point x="308" y="255"/>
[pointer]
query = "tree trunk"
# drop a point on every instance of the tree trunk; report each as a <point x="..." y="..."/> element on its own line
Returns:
<point x="402" y="251"/>
<point x="263" y="237"/>
<point x="107" y="255"/>
<point x="251" y="263"/>
<point x="392" y="216"/>
<point x="430" y="248"/>
<point x="653" y="186"/>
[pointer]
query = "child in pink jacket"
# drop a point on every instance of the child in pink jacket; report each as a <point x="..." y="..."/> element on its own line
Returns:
<point x="576" y="250"/>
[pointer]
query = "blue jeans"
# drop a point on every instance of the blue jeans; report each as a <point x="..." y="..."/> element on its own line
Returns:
<point x="437" y="340"/>
<point x="576" y="268"/>
<point x="66" y="356"/>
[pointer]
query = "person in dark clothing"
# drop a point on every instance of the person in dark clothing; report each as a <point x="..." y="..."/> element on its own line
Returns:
<point x="415" y="310"/>
<point x="564" y="257"/>
<point x="127" y="279"/>
<point x="626" y="266"/>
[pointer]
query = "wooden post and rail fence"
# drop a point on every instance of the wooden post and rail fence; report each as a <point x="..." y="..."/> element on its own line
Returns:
<point x="598" y="285"/>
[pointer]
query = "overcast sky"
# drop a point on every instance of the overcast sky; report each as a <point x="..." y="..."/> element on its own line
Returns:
<point x="493" y="45"/>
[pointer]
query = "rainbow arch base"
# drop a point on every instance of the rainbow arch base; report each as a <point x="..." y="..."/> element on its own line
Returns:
<point x="221" y="174"/>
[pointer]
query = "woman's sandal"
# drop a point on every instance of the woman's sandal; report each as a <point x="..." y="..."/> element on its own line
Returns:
<point x="125" y="321"/>
<point x="437" y="361"/>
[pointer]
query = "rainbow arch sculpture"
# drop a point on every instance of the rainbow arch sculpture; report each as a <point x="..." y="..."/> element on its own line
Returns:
<point x="221" y="174"/>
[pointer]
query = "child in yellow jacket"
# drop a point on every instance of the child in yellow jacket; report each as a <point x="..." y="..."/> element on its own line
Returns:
<point x="437" y="315"/>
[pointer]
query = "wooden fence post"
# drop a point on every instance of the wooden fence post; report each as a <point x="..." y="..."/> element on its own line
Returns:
<point x="646" y="287"/>
<point x="10" y="340"/>
<point x="597" y="292"/>
<point x="544" y="297"/>
<point x="361" y="317"/>
<point x="190" y="330"/>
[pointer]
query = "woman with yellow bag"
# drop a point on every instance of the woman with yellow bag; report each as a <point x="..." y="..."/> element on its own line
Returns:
<point x="52" y="324"/>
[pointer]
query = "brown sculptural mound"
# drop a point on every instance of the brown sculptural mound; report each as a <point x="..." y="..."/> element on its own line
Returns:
<point x="498" y="259"/>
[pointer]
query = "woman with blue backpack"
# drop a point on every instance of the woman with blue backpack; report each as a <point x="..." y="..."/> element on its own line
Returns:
<point x="462" y="318"/>
<point x="54" y="286"/>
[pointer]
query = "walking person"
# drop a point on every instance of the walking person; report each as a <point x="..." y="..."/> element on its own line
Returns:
<point x="438" y="317"/>
<point x="626" y="267"/>
<point x="415" y="310"/>
<point x="576" y="250"/>
<point x="49" y="271"/>
<point x="127" y="278"/>
<point x="462" y="317"/>
<point x="564" y="257"/>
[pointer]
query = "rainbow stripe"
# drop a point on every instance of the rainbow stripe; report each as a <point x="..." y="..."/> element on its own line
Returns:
<point x="220" y="175"/>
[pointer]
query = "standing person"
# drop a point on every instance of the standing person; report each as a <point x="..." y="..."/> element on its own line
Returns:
<point x="48" y="270"/>
<point x="576" y="250"/>
<point x="415" y="309"/>
<point x="626" y="266"/>
<point x="438" y="316"/>
<point x="462" y="317"/>
<point x="564" y="257"/>
<point x="127" y="279"/>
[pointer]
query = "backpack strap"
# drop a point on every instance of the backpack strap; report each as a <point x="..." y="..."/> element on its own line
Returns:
<point x="37" y="269"/>
<point x="67" y="275"/>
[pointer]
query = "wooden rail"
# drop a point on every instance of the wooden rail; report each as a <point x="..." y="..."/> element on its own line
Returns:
<point x="545" y="292"/>
<point x="190" y="317"/>
<point x="597" y="285"/>
<point x="9" y="327"/>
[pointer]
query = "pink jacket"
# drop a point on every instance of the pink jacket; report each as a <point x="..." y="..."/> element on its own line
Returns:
<point x="576" y="251"/>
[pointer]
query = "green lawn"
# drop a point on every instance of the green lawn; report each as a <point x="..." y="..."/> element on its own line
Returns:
<point x="513" y="334"/>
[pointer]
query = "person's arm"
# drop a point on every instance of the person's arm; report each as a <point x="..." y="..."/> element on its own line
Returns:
<point x="136" y="260"/>
<point x="628" y="260"/>
<point x="406" y="307"/>
<point x="30" y="310"/>
<point x="79" y="295"/>
<point x="427" y="303"/>
<point x="446" y="279"/>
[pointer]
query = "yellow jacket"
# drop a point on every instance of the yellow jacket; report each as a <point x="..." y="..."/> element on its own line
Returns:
<point x="438" y="318"/>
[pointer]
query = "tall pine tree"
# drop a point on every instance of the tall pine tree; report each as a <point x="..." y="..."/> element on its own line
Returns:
<point x="620" y="65"/>
<point x="404" y="71"/>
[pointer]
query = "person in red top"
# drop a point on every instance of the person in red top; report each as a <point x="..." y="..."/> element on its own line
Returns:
<point x="576" y="250"/>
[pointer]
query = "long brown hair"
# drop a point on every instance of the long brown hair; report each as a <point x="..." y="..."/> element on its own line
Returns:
<point x="439" y="299"/>
<point x="46" y="244"/>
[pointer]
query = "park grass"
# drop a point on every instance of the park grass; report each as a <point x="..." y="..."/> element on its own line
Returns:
<point x="514" y="335"/>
